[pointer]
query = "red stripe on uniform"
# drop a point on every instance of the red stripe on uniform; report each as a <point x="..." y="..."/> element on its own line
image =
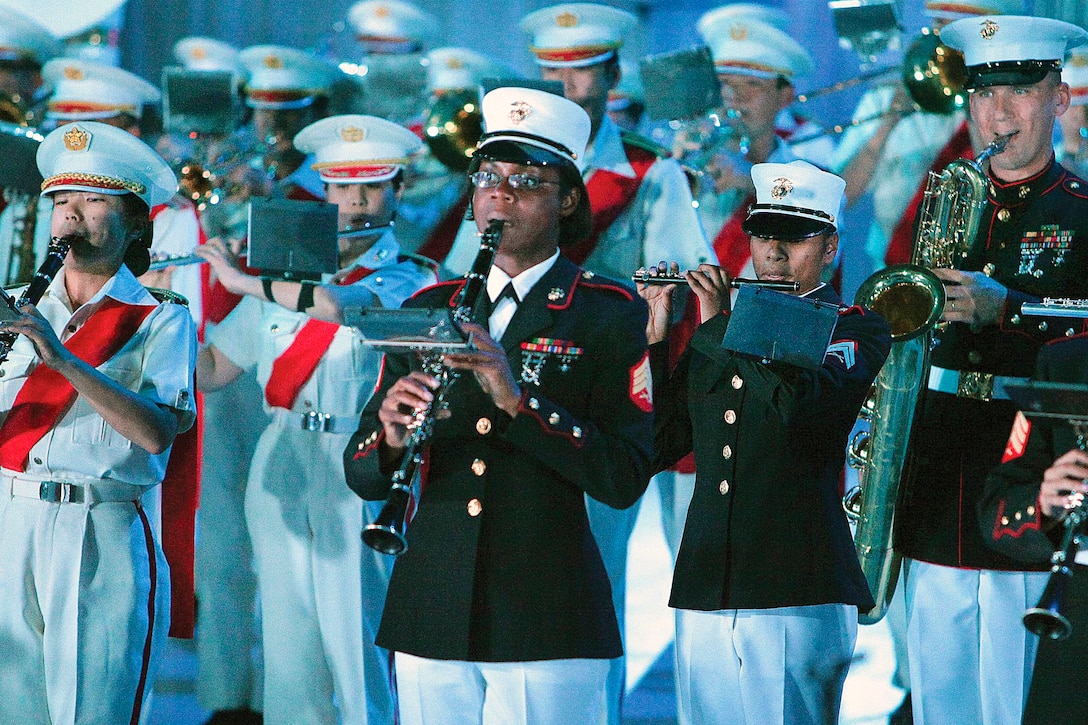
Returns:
<point x="153" y="578"/>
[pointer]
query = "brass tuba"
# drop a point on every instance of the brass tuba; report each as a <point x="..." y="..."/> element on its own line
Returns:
<point x="912" y="299"/>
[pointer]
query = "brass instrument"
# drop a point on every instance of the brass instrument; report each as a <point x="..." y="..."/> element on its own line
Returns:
<point x="644" y="276"/>
<point x="54" y="259"/>
<point x="1056" y="307"/>
<point x="453" y="127"/>
<point x="387" y="533"/>
<point x="912" y="299"/>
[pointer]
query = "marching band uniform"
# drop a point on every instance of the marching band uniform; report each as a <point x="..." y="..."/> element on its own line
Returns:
<point x="321" y="590"/>
<point x="1032" y="240"/>
<point x="87" y="590"/>
<point x="1013" y="523"/>
<point x="763" y="635"/>
<point x="487" y="590"/>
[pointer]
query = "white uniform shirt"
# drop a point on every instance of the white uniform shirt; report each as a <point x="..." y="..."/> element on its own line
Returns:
<point x="157" y="362"/>
<point x="177" y="234"/>
<point x="257" y="332"/>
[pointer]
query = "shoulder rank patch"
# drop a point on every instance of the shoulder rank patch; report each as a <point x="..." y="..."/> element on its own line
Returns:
<point x="844" y="353"/>
<point x="641" y="384"/>
<point x="1018" y="438"/>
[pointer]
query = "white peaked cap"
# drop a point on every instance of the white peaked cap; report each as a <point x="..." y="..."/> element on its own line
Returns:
<point x="281" y="78"/>
<point x="745" y="11"/>
<point x="84" y="90"/>
<point x="535" y="118"/>
<point x="1011" y="49"/>
<point x="356" y="149"/>
<point x="22" y="38"/>
<point x="452" y="68"/>
<point x="199" y="53"/>
<point x="91" y="156"/>
<point x="748" y="47"/>
<point x="391" y="26"/>
<point x="793" y="200"/>
<point x="576" y="34"/>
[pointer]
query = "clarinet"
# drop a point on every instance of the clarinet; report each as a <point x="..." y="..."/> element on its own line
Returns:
<point x="387" y="533"/>
<point x="54" y="259"/>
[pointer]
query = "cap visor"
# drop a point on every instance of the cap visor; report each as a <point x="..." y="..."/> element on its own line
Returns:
<point x="771" y="225"/>
<point x="981" y="77"/>
<point x="518" y="153"/>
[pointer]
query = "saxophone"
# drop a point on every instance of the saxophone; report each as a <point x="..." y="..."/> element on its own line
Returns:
<point x="912" y="299"/>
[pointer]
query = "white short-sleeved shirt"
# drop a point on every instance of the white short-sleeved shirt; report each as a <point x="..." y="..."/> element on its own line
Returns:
<point x="177" y="234"/>
<point x="157" y="362"/>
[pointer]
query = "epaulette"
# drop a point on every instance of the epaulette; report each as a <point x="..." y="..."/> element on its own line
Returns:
<point x="1075" y="186"/>
<point x="165" y="295"/>
<point x="630" y="138"/>
<point x="419" y="259"/>
<point x="593" y="280"/>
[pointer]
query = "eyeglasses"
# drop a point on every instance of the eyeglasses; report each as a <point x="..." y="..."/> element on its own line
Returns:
<point x="522" y="182"/>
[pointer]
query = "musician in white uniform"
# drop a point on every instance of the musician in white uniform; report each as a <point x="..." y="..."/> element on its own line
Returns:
<point x="93" y="393"/>
<point x="321" y="590"/>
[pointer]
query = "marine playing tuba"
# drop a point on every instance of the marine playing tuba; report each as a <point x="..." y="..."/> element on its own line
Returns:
<point x="912" y="299"/>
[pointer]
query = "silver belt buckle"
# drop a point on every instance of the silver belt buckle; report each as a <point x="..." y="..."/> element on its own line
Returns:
<point x="56" y="492"/>
<point x="316" y="422"/>
<point x="976" y="385"/>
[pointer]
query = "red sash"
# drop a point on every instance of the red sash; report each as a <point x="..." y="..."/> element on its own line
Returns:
<point x="901" y="244"/>
<point x="609" y="194"/>
<point x="294" y="367"/>
<point x="731" y="245"/>
<point x="440" y="241"/>
<point x="46" y="395"/>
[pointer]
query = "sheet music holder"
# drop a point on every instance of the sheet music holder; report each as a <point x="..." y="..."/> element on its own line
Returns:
<point x="19" y="150"/>
<point x="778" y="326"/>
<point x="680" y="84"/>
<point x="1041" y="399"/>
<point x="293" y="239"/>
<point x="199" y="101"/>
<point x="408" y="330"/>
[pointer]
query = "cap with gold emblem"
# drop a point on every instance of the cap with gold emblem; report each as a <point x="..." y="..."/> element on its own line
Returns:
<point x="953" y="10"/>
<point x="23" y="39"/>
<point x="390" y="26"/>
<point x="284" y="78"/>
<point x="199" y="53"/>
<point x="742" y="46"/>
<point x="355" y="149"/>
<point x="1006" y="50"/>
<point x="88" y="29"/>
<point x="794" y="201"/>
<point x="84" y="90"/>
<point x="451" y="68"/>
<point x="576" y="34"/>
<point x="90" y="156"/>
<point x="1075" y="73"/>
<point x="529" y="126"/>
<point x="748" y="11"/>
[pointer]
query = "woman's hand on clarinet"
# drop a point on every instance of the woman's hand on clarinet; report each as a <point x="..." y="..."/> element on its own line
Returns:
<point x="491" y="367"/>
<point x="49" y="348"/>
<point x="1065" y="483"/>
<point x="403" y="402"/>
<point x="710" y="284"/>
<point x="659" y="297"/>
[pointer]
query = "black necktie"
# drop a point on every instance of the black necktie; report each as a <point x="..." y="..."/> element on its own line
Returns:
<point x="507" y="291"/>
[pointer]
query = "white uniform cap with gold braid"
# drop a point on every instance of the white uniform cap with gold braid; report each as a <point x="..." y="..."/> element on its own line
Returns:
<point x="90" y="156"/>
<point x="283" y="78"/>
<point x="793" y="201"/>
<point x="68" y="18"/>
<point x="956" y="9"/>
<point x="1075" y="73"/>
<point x="390" y="26"/>
<point x="199" y="53"/>
<point x="1011" y="49"/>
<point x="745" y="11"/>
<point x="449" y="69"/>
<point x="574" y="35"/>
<point x="84" y="90"/>
<point x="355" y="149"/>
<point x="536" y="119"/>
<point x="24" y="39"/>
<point x="751" y="48"/>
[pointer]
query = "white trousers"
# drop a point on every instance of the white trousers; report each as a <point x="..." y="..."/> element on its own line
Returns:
<point x="612" y="529"/>
<point x="544" y="692"/>
<point x="321" y="590"/>
<point x="228" y="676"/>
<point x="84" y="612"/>
<point x="764" y="666"/>
<point x="970" y="655"/>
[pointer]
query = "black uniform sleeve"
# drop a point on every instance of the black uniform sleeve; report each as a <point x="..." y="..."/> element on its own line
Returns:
<point x="362" y="464"/>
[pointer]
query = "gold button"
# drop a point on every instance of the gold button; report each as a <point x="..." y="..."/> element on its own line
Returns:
<point x="988" y="269"/>
<point x="737" y="382"/>
<point x="723" y="487"/>
<point x="730" y="417"/>
<point x="1004" y="520"/>
<point x="1043" y="326"/>
<point x="1074" y="185"/>
<point x="727" y="452"/>
<point x="553" y="418"/>
<point x="475" y="508"/>
<point x="483" y="426"/>
<point x="1015" y="319"/>
<point x="576" y="432"/>
<point x="1017" y="516"/>
<point x="273" y="328"/>
<point x="1003" y="215"/>
<point x="479" y="467"/>
<point x="534" y="404"/>
<point x="1031" y="510"/>
<point x="974" y="357"/>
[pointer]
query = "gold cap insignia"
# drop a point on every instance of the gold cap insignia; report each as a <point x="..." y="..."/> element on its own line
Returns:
<point x="781" y="187"/>
<point x="455" y="63"/>
<point x="989" y="29"/>
<point x="519" y="111"/>
<point x="352" y="134"/>
<point x="72" y="73"/>
<point x="273" y="61"/>
<point x="738" y="32"/>
<point x="381" y="11"/>
<point x="566" y="20"/>
<point x="198" y="53"/>
<point x="76" y="139"/>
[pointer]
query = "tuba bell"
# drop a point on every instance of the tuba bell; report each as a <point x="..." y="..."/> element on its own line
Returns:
<point x="911" y="298"/>
<point x="453" y="127"/>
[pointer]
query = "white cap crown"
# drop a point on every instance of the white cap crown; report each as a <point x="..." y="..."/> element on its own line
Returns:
<point x="84" y="90"/>
<point x="22" y="38"/>
<point x="576" y="34"/>
<point x="452" y="68"/>
<point x="748" y="47"/>
<point x="357" y="149"/>
<point x="793" y="200"/>
<point x="391" y="26"/>
<point x="282" y="77"/>
<point x="535" y="118"/>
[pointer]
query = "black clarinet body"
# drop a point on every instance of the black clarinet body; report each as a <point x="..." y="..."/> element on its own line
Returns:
<point x="54" y="260"/>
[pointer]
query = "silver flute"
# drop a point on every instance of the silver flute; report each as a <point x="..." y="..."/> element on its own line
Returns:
<point x="648" y="277"/>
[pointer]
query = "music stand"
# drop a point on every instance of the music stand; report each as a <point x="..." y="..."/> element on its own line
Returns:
<point x="199" y="101"/>
<point x="1041" y="399"/>
<point x="777" y="326"/>
<point x="293" y="239"/>
<point x="19" y="150"/>
<point x="680" y="84"/>
<point x="426" y="330"/>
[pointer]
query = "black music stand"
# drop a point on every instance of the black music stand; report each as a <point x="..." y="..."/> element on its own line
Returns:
<point x="19" y="150"/>
<point x="778" y="326"/>
<point x="200" y="101"/>
<point x="291" y="239"/>
<point x="426" y="330"/>
<point x="680" y="84"/>
<point x="1041" y="399"/>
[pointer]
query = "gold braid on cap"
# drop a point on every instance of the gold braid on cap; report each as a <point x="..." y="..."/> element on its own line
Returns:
<point x="94" y="180"/>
